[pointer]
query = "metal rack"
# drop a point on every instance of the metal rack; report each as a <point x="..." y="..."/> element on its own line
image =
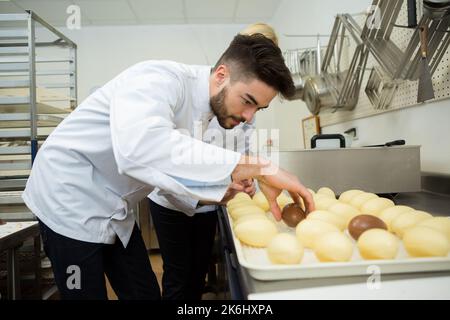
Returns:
<point x="337" y="86"/>
<point x="303" y="63"/>
<point x="388" y="88"/>
<point x="38" y="89"/>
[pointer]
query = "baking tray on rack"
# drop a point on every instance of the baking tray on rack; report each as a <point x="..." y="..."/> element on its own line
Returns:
<point x="257" y="263"/>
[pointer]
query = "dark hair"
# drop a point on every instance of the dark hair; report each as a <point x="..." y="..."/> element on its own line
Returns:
<point x="255" y="56"/>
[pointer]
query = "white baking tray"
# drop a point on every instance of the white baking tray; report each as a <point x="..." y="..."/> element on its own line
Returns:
<point x="256" y="261"/>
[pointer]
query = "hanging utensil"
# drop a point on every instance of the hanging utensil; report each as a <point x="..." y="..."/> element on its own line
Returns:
<point x="436" y="9"/>
<point x="425" y="91"/>
<point x="318" y="57"/>
<point x="412" y="14"/>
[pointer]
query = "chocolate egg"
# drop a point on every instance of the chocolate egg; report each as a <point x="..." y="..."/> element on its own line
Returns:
<point x="364" y="222"/>
<point x="2" y="222"/>
<point x="292" y="214"/>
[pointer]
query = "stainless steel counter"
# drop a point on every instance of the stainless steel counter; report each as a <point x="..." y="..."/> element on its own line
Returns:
<point x="426" y="285"/>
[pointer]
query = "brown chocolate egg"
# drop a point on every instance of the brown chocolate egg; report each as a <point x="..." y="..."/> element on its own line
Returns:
<point x="2" y="222"/>
<point x="364" y="222"/>
<point x="292" y="214"/>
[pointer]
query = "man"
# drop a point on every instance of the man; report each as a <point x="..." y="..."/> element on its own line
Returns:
<point x="122" y="141"/>
<point x="186" y="227"/>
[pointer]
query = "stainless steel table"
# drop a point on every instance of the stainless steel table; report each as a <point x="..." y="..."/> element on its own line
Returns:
<point x="12" y="237"/>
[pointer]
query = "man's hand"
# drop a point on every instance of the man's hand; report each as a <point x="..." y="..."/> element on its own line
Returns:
<point x="272" y="180"/>
<point x="249" y="187"/>
<point x="273" y="185"/>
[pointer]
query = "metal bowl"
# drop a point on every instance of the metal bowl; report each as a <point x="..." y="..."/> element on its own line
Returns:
<point x="436" y="9"/>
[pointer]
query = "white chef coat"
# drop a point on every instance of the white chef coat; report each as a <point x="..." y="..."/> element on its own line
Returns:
<point x="119" y="144"/>
<point x="237" y="139"/>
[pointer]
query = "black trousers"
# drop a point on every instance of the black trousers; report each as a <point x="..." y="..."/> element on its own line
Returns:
<point x="186" y="245"/>
<point x="80" y="267"/>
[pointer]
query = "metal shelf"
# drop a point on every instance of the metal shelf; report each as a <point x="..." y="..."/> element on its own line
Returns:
<point x="33" y="101"/>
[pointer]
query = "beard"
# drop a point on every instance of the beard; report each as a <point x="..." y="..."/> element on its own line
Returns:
<point x="219" y="109"/>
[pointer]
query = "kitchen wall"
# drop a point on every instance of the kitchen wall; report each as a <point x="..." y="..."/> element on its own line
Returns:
<point x="103" y="52"/>
<point x="426" y="125"/>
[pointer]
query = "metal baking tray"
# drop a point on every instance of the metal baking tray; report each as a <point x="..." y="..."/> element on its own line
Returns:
<point x="257" y="263"/>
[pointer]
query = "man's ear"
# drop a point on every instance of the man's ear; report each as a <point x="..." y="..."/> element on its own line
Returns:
<point x="221" y="75"/>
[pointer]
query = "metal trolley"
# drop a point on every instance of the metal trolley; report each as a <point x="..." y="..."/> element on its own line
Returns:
<point x="38" y="89"/>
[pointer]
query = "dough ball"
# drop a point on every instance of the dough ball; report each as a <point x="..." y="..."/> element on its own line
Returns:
<point x="375" y="206"/>
<point x="441" y="224"/>
<point x="389" y="214"/>
<point x="242" y="196"/>
<point x="327" y="192"/>
<point x="251" y="216"/>
<point x="285" y="248"/>
<point x="234" y="203"/>
<point x="324" y="203"/>
<point x="241" y="211"/>
<point x="408" y="220"/>
<point x="425" y="242"/>
<point x="261" y="201"/>
<point x="358" y="200"/>
<point x="348" y="195"/>
<point x="360" y="224"/>
<point x="378" y="244"/>
<point x="283" y="200"/>
<point x="328" y="217"/>
<point x="308" y="230"/>
<point x="256" y="233"/>
<point x="345" y="211"/>
<point x="333" y="247"/>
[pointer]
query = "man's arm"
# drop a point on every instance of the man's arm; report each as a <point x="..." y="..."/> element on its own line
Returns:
<point x="148" y="147"/>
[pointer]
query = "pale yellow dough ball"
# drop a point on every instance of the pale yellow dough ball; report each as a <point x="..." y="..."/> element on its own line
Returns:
<point x="375" y="206"/>
<point x="285" y="248"/>
<point x="408" y="220"/>
<point x="251" y="216"/>
<point x="441" y="224"/>
<point x="242" y="195"/>
<point x="359" y="200"/>
<point x="283" y="200"/>
<point x="389" y="214"/>
<point x="241" y="211"/>
<point x="261" y="201"/>
<point x="232" y="204"/>
<point x="376" y="244"/>
<point x="256" y="233"/>
<point x="326" y="192"/>
<point x="323" y="203"/>
<point x="425" y="242"/>
<point x="345" y="211"/>
<point x="329" y="217"/>
<point x="308" y="230"/>
<point x="333" y="247"/>
<point x="348" y="195"/>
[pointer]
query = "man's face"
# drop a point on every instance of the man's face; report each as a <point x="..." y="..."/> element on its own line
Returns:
<point x="238" y="102"/>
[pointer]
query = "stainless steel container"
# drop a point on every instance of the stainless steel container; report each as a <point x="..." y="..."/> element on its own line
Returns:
<point x="378" y="170"/>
